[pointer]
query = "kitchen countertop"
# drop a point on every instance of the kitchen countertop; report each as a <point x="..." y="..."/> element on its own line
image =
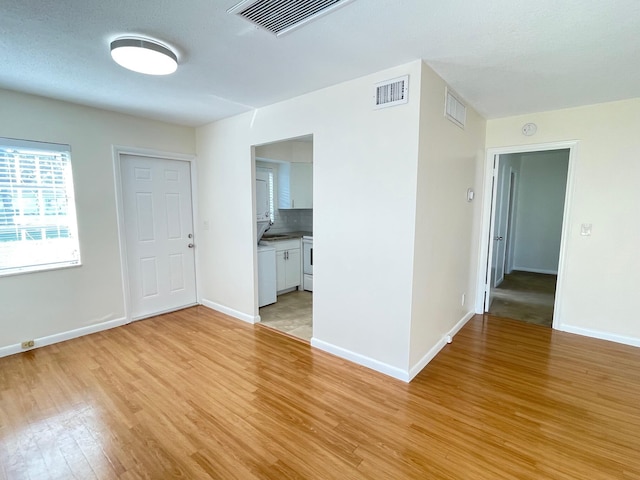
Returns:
<point x="284" y="236"/>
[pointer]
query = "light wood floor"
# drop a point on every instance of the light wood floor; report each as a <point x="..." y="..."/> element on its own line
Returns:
<point x="196" y="395"/>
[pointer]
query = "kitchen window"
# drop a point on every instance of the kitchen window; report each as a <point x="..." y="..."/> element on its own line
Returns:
<point x="38" y="226"/>
<point x="269" y="172"/>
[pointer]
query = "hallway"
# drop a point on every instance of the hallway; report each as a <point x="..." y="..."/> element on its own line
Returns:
<point x="525" y="296"/>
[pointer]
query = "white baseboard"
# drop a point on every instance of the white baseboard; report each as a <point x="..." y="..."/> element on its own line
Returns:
<point x="461" y="323"/>
<point x="612" y="337"/>
<point x="61" y="337"/>
<point x="433" y="351"/>
<point x="430" y="355"/>
<point x="395" y="372"/>
<point x="230" y="311"/>
<point x="361" y="360"/>
<point x="535" y="270"/>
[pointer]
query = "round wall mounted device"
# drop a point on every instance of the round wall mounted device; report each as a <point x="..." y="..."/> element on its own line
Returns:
<point x="529" y="129"/>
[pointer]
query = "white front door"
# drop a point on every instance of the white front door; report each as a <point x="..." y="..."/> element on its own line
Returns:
<point x="159" y="234"/>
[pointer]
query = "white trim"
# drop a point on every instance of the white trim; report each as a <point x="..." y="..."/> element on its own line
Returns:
<point x="612" y="337"/>
<point x="254" y="235"/>
<point x="433" y="351"/>
<point x="572" y="145"/>
<point x="495" y="191"/>
<point x="381" y="367"/>
<point x="535" y="270"/>
<point x="363" y="360"/>
<point x="566" y="229"/>
<point x="38" y="269"/>
<point x="430" y="355"/>
<point x="118" y="151"/>
<point x="461" y="323"/>
<point x="195" y="215"/>
<point x="230" y="311"/>
<point x="61" y="337"/>
<point x="149" y="152"/>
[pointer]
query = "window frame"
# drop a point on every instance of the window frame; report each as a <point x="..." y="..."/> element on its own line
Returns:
<point x="37" y="206"/>
<point x="271" y="184"/>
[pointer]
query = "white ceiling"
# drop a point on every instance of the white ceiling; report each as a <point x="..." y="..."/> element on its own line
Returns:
<point x="505" y="57"/>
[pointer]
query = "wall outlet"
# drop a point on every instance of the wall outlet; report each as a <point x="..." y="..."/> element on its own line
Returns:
<point x="463" y="295"/>
<point x="28" y="344"/>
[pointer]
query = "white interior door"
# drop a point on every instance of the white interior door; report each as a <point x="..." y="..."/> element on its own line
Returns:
<point x="501" y="224"/>
<point x="159" y="234"/>
<point x="489" y="278"/>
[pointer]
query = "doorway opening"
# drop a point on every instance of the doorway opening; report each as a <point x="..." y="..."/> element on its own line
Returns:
<point x="524" y="238"/>
<point x="284" y="214"/>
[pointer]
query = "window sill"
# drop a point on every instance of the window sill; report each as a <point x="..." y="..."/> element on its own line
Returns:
<point x="39" y="269"/>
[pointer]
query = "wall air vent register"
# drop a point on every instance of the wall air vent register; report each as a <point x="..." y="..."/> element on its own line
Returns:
<point x="454" y="109"/>
<point x="282" y="16"/>
<point x="391" y="92"/>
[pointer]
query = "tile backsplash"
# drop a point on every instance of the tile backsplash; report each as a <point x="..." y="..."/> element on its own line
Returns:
<point x="299" y="220"/>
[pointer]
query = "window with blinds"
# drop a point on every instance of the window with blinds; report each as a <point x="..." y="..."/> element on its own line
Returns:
<point x="38" y="227"/>
<point x="269" y="173"/>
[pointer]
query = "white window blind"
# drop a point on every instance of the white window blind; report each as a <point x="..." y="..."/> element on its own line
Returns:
<point x="269" y="172"/>
<point x="38" y="228"/>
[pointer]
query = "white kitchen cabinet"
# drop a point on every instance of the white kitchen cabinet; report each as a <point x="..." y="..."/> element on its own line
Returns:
<point x="295" y="185"/>
<point x="288" y="269"/>
<point x="288" y="264"/>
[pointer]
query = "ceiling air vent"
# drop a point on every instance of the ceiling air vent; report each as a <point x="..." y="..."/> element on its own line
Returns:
<point x="282" y="16"/>
<point x="392" y="92"/>
<point x="454" y="109"/>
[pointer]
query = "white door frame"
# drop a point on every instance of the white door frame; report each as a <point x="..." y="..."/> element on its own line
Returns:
<point x="118" y="152"/>
<point x="486" y="220"/>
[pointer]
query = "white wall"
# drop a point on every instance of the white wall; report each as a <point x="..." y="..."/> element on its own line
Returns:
<point x="365" y="160"/>
<point x="602" y="274"/>
<point x="287" y="151"/>
<point x="447" y="226"/>
<point x="37" y="305"/>
<point x="540" y="207"/>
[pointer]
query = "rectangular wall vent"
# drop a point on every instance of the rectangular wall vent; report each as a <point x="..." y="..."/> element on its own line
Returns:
<point x="454" y="109"/>
<point x="282" y="16"/>
<point x="392" y="92"/>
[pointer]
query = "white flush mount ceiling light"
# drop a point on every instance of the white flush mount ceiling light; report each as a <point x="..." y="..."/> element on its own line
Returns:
<point x="143" y="56"/>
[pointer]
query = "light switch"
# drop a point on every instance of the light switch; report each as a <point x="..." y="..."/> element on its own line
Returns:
<point x="206" y="225"/>
<point x="585" y="229"/>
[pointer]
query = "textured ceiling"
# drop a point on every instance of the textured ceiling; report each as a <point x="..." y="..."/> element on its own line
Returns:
<point x="505" y="57"/>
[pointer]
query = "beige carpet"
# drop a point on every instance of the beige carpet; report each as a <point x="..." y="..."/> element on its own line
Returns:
<point x="525" y="296"/>
<point x="291" y="314"/>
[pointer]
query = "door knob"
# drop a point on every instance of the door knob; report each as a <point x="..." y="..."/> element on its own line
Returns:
<point x="499" y="238"/>
<point x="191" y="245"/>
